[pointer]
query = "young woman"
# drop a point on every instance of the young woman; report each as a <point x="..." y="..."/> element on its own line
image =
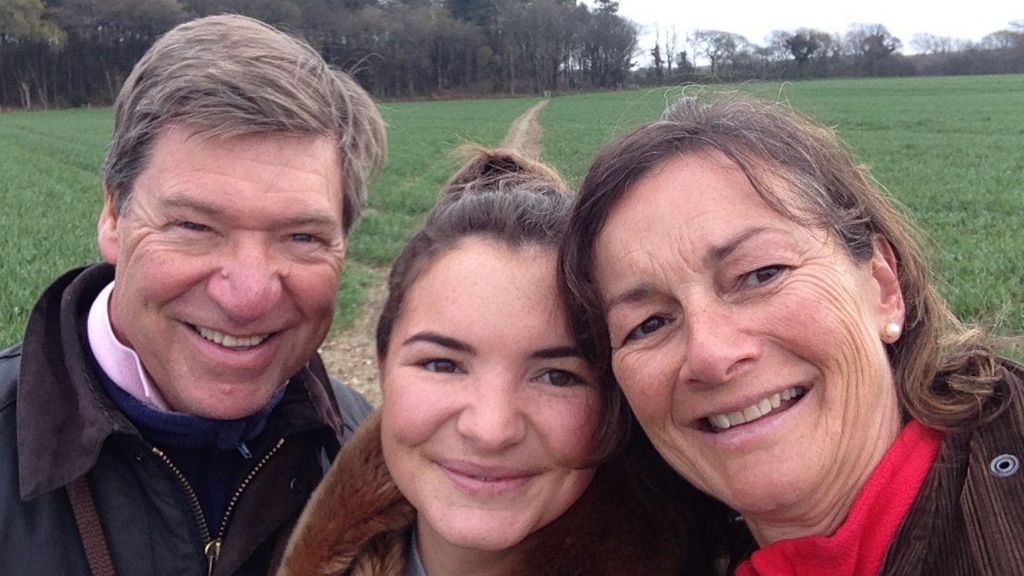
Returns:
<point x="484" y="457"/>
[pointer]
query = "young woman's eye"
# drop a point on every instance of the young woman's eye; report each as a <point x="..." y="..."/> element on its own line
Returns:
<point x="762" y="276"/>
<point x="561" y="378"/>
<point x="440" y="365"/>
<point x="647" y="327"/>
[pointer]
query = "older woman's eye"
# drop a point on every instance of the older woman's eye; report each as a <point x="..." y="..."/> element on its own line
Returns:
<point x="561" y="378"/>
<point x="762" y="276"/>
<point x="192" y="226"/>
<point x="647" y="327"/>
<point x="440" y="365"/>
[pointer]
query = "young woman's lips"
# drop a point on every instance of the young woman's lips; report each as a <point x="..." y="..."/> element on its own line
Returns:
<point x="485" y="480"/>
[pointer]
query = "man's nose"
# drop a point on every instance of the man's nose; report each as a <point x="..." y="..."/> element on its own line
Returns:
<point x="248" y="281"/>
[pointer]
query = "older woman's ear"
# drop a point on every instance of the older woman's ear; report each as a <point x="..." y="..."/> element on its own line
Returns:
<point x="885" y="271"/>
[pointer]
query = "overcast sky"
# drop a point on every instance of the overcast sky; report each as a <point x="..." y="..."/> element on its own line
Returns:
<point x="971" y="19"/>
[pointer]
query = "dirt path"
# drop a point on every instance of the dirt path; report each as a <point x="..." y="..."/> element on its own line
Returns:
<point x="526" y="132"/>
<point x="351" y="355"/>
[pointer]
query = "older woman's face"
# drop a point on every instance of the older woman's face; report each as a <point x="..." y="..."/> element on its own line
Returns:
<point x="748" y="346"/>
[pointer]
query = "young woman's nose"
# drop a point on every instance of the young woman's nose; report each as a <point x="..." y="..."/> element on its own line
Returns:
<point x="492" y="418"/>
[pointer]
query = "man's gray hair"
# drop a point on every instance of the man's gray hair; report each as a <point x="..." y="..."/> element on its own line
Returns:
<point x="227" y="76"/>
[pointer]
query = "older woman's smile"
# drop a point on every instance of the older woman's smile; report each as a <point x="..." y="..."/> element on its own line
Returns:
<point x="775" y="403"/>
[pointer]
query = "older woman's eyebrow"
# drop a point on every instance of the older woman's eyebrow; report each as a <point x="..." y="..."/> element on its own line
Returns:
<point x="555" y="352"/>
<point x="722" y="251"/>
<point x="438" y="339"/>
<point x="635" y="294"/>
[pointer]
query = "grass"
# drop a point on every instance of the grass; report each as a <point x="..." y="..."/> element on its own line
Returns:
<point x="52" y="193"/>
<point x="949" y="149"/>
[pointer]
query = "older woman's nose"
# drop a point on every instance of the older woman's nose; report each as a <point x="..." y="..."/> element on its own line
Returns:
<point x="718" y="346"/>
<point x="492" y="419"/>
<point x="248" y="282"/>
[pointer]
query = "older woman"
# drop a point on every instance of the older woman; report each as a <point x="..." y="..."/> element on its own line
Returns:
<point x="484" y="458"/>
<point x="768" y="314"/>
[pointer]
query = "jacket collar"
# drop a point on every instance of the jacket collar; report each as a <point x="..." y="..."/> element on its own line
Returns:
<point x="64" y="416"/>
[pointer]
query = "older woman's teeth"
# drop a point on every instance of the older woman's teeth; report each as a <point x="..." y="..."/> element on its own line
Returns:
<point x="754" y="411"/>
<point x="229" y="341"/>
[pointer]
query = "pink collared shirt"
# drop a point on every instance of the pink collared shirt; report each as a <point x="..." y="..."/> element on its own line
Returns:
<point x="120" y="363"/>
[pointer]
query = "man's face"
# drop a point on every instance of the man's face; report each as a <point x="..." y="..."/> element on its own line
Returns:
<point x="228" y="256"/>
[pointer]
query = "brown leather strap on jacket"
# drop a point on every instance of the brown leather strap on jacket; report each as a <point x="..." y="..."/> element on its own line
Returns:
<point x="88" y="520"/>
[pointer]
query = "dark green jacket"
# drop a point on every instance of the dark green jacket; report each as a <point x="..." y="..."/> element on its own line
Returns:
<point x="57" y="424"/>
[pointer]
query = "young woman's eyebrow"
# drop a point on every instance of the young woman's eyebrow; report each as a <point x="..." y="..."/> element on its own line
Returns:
<point x="555" y="352"/>
<point x="439" y="340"/>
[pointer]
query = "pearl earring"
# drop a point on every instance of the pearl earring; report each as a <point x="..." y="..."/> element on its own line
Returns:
<point x="892" y="332"/>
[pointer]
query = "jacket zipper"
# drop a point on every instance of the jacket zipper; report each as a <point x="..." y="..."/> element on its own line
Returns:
<point x="211" y="546"/>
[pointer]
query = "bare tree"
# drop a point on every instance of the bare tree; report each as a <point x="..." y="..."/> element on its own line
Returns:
<point x="871" y="45"/>
<point x="716" y="46"/>
<point x="657" y="61"/>
<point x="671" y="41"/>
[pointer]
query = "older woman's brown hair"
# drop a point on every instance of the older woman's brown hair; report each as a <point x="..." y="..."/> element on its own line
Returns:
<point x="947" y="374"/>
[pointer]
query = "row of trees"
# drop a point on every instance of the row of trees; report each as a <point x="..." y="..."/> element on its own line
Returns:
<point x="865" y="50"/>
<point x="77" y="52"/>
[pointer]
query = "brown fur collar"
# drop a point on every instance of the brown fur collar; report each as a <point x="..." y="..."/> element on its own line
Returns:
<point x="356" y="516"/>
<point x="357" y="523"/>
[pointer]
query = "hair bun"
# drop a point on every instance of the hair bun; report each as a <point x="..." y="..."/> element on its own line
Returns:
<point x="493" y="169"/>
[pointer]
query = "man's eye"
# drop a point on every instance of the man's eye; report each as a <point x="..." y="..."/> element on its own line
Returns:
<point x="762" y="276"/>
<point x="303" y="238"/>
<point x="440" y="365"/>
<point x="561" y="378"/>
<point x="647" y="327"/>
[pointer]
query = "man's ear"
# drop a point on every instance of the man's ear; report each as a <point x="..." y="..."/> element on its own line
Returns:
<point x="885" y="271"/>
<point x="106" y="228"/>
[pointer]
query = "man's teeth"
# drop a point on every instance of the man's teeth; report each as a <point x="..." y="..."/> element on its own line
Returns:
<point x="229" y="341"/>
<point x="754" y="411"/>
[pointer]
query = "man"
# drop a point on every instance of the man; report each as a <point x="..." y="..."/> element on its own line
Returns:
<point x="166" y="412"/>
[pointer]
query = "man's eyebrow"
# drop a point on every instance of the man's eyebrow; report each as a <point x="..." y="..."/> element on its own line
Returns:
<point x="722" y="251"/>
<point x="185" y="203"/>
<point x="438" y="339"/>
<point x="315" y="219"/>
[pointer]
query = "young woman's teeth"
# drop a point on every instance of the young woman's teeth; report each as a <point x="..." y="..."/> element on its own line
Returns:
<point x="754" y="411"/>
<point x="229" y="341"/>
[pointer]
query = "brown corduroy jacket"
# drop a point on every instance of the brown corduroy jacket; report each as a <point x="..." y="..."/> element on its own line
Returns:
<point x="968" y="519"/>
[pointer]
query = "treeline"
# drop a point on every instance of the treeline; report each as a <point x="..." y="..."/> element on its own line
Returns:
<point x="78" y="52"/>
<point x="864" y="50"/>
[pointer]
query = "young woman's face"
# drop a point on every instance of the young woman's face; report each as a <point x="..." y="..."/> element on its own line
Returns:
<point x="488" y="409"/>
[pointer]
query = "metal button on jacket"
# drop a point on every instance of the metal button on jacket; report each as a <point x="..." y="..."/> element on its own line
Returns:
<point x="1004" y="465"/>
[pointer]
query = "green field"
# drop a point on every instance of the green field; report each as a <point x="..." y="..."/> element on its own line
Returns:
<point x="950" y="149"/>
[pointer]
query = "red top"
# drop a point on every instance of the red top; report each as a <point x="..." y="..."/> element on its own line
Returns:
<point x="859" y="546"/>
